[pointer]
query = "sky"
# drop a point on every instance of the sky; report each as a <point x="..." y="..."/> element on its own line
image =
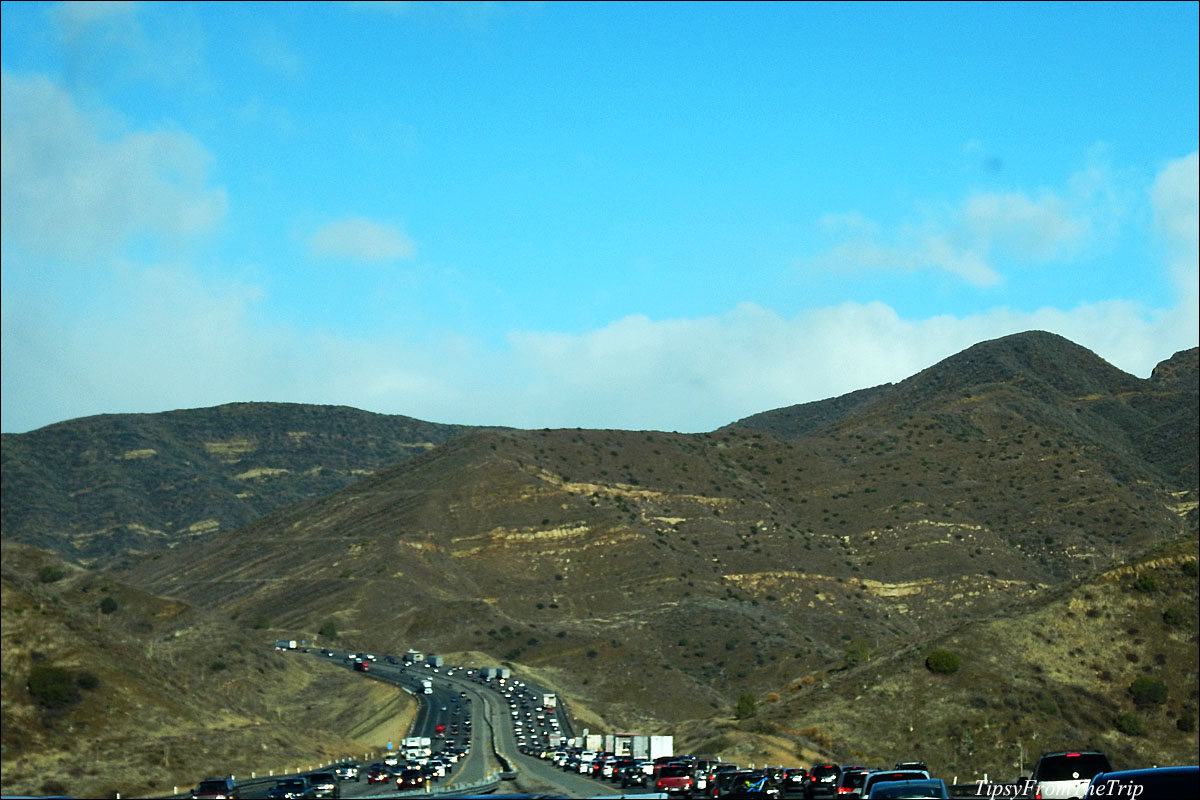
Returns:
<point x="661" y="216"/>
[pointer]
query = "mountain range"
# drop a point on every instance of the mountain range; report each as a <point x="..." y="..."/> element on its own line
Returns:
<point x="807" y="557"/>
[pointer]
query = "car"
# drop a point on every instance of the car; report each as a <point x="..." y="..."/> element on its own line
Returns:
<point x="879" y="776"/>
<point x="1067" y="774"/>
<point x="378" y="773"/>
<point x="216" y="789"/>
<point x="851" y="783"/>
<point x="324" y="784"/>
<point x="1150" y="783"/>
<point x="912" y="765"/>
<point x="290" y="788"/>
<point x="347" y="771"/>
<point x="917" y="788"/>
<point x="822" y="781"/>
<point x="674" y="780"/>
<point x="410" y="777"/>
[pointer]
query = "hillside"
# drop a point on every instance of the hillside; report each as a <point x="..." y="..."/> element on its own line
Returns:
<point x="654" y="578"/>
<point x="103" y="487"/>
<point x="657" y="576"/>
<point x="155" y="693"/>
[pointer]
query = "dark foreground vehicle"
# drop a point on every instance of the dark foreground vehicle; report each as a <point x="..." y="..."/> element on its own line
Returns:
<point x="216" y="789"/>
<point x="1157" y="782"/>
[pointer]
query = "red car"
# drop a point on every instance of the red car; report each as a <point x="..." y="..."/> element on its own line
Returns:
<point x="379" y="773"/>
<point x="410" y="778"/>
<point x="674" y="780"/>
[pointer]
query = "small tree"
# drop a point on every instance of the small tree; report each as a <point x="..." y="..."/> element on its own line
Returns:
<point x="857" y="652"/>
<point x="1147" y="691"/>
<point x="109" y="605"/>
<point x="1129" y="724"/>
<point x="747" y="704"/>
<point x="943" y="662"/>
<point x="51" y="573"/>
<point x="328" y="629"/>
<point x="53" y="687"/>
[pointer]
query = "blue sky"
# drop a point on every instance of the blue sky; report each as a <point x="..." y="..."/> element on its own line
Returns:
<point x="612" y="215"/>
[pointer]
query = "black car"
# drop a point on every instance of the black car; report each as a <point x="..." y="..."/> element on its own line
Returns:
<point x="216" y="789"/>
<point x="290" y="789"/>
<point x="325" y="784"/>
<point x="823" y="781"/>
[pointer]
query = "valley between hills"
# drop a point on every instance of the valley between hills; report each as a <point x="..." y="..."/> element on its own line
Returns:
<point x="769" y="591"/>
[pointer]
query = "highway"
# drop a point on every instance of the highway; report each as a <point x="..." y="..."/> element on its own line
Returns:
<point x="465" y="710"/>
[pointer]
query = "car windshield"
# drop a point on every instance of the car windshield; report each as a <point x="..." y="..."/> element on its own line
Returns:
<point x="212" y="786"/>
<point x="1072" y="768"/>
<point x="672" y="772"/>
<point x="292" y="783"/>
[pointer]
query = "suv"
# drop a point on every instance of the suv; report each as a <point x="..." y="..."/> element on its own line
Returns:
<point x="823" y="781"/>
<point x="881" y="776"/>
<point x="325" y="784"/>
<point x="1068" y="774"/>
<point x="216" y="789"/>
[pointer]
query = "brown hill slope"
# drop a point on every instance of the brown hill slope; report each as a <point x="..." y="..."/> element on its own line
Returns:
<point x="105" y="486"/>
<point x="1040" y="377"/>
<point x="671" y="572"/>
<point x="155" y="693"/>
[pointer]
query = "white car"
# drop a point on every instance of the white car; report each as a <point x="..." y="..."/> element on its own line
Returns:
<point x="1068" y="774"/>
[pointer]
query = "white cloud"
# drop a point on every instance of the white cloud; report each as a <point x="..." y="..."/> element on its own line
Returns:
<point x="360" y="239"/>
<point x="77" y="186"/>
<point x="182" y="343"/>
<point x="1174" y="198"/>
<point x="969" y="240"/>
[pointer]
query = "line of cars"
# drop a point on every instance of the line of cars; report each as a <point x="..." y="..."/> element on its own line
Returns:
<point x="693" y="776"/>
<point x="319" y="784"/>
<point x="1076" y="774"/>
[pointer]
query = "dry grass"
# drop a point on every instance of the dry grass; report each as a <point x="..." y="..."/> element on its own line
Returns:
<point x="180" y="695"/>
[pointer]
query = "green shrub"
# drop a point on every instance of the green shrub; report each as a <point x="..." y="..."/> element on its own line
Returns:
<point x="261" y="622"/>
<point x="1191" y="568"/>
<point x="1174" y="616"/>
<point x="51" y="573"/>
<point x="53" y="687"/>
<point x="943" y="662"/>
<point x="109" y="605"/>
<point x="87" y="680"/>
<point x="328" y="629"/>
<point x="747" y="704"/>
<point x="857" y="651"/>
<point x="1129" y="724"/>
<point x="1147" y="691"/>
<point x="1186" y="722"/>
<point x="1146" y="584"/>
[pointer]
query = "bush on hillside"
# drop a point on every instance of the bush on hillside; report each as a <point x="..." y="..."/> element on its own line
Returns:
<point x="51" y="574"/>
<point x="328" y="629"/>
<point x="1174" y="616"/>
<point x="108" y="605"/>
<point x="1129" y="724"/>
<point x="943" y="662"/>
<point x="53" y="687"/>
<point x="1147" y="691"/>
<point x="747" y="704"/>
